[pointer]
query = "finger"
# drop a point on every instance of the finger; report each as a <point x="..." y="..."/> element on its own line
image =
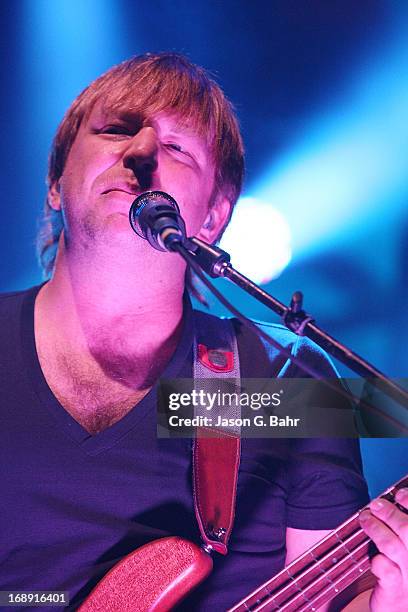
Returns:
<point x="386" y="540"/>
<point x="389" y="590"/>
<point x="401" y="497"/>
<point x="388" y="573"/>
<point x="392" y="516"/>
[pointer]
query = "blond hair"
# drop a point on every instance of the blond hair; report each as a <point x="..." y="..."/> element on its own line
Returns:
<point x="150" y="83"/>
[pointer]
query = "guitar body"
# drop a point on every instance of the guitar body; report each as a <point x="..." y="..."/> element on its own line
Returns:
<point x="154" y="578"/>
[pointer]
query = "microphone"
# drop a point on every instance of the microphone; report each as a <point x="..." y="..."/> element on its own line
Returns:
<point x="155" y="216"/>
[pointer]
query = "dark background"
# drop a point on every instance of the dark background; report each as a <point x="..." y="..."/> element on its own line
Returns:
<point x="321" y="90"/>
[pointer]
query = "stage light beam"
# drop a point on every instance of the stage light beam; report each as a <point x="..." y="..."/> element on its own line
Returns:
<point x="258" y="240"/>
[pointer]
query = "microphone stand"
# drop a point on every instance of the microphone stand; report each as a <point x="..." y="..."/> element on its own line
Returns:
<point x="216" y="263"/>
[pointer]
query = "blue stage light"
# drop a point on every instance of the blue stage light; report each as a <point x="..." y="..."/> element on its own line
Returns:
<point x="66" y="44"/>
<point x="347" y="170"/>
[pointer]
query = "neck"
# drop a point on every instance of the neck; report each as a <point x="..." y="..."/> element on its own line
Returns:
<point x="113" y="314"/>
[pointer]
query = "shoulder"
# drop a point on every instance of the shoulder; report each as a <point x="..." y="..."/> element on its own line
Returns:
<point x="15" y="307"/>
<point x="213" y="330"/>
<point x="9" y="297"/>
<point x="299" y="346"/>
<point x="11" y="302"/>
<point x="276" y="331"/>
<point x="258" y="358"/>
<point x="261" y="359"/>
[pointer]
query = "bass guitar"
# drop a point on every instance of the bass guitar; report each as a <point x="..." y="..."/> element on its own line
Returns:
<point x="157" y="576"/>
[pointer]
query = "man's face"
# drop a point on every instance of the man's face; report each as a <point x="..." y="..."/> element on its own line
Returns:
<point x="117" y="156"/>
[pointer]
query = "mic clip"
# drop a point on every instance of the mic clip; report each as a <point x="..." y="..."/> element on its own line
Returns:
<point x="213" y="260"/>
<point x="295" y="317"/>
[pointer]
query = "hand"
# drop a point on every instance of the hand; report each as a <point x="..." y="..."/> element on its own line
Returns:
<point x="387" y="526"/>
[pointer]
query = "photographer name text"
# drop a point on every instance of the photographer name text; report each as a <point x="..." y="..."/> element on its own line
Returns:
<point x="255" y="421"/>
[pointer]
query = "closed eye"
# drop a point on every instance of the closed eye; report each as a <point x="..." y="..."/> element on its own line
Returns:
<point x="116" y="129"/>
<point x="176" y="147"/>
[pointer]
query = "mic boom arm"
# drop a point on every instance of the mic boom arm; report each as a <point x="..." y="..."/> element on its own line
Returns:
<point x="216" y="263"/>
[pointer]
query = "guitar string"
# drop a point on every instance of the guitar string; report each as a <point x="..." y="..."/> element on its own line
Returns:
<point x="326" y="554"/>
<point x="325" y="596"/>
<point x="346" y="577"/>
<point x="291" y="597"/>
<point x="321" y="596"/>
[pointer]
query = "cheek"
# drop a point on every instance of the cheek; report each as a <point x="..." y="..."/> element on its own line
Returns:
<point x="193" y="196"/>
<point x="72" y="179"/>
<point x="194" y="210"/>
<point x="76" y="183"/>
<point x="82" y="169"/>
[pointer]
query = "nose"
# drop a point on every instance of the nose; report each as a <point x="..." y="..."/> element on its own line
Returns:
<point x="141" y="155"/>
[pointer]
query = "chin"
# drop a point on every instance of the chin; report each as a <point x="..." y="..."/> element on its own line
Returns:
<point x="114" y="225"/>
<point x="113" y="233"/>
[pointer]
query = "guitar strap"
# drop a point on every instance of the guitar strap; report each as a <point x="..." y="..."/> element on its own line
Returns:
<point x="215" y="459"/>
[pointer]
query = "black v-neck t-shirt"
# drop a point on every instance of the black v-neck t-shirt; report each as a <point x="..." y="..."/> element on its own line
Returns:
<point x="72" y="504"/>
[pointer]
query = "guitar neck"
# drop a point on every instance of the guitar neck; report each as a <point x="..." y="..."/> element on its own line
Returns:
<point x="321" y="573"/>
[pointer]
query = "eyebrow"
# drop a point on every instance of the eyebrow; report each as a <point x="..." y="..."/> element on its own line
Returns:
<point x="179" y="129"/>
<point x="189" y="133"/>
<point x="124" y="115"/>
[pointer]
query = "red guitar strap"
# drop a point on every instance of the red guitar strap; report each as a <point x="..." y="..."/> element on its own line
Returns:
<point x="215" y="459"/>
<point x="215" y="474"/>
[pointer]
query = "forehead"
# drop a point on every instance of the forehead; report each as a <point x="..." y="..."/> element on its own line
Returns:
<point x="191" y="108"/>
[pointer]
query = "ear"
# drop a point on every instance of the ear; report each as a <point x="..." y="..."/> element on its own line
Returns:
<point x="54" y="196"/>
<point x="217" y="217"/>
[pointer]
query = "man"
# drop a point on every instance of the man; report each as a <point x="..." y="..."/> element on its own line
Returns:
<point x="86" y="480"/>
